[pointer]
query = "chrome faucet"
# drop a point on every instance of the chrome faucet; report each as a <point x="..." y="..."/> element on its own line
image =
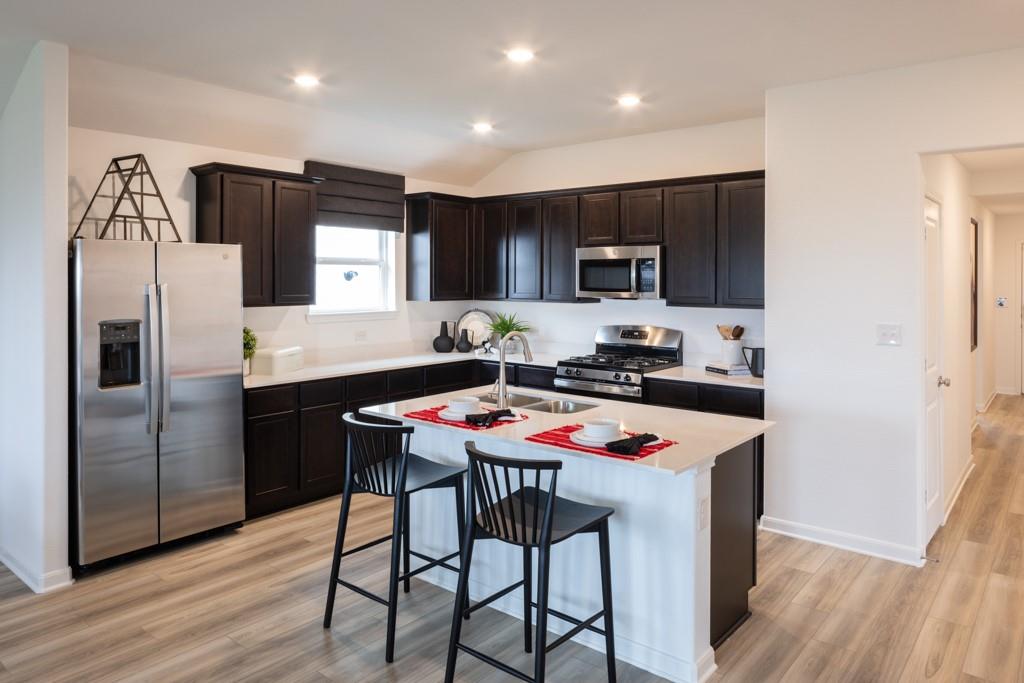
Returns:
<point x="502" y="401"/>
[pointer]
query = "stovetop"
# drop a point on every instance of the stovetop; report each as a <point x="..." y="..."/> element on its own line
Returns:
<point x="619" y="362"/>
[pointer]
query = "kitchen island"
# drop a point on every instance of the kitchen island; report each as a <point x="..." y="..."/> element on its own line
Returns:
<point x="682" y="558"/>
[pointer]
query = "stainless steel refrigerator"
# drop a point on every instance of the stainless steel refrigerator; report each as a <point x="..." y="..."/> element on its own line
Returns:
<point x="156" y="377"/>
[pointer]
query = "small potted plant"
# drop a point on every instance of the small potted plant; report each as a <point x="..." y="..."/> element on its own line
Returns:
<point x="249" y="341"/>
<point x="509" y="323"/>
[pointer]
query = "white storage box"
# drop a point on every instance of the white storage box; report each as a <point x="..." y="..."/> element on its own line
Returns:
<point x="276" y="360"/>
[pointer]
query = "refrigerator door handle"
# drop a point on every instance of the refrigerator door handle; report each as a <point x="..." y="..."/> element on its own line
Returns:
<point x="152" y="362"/>
<point x="165" y="359"/>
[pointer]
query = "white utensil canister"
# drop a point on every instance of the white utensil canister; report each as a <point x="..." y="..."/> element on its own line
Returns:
<point x="732" y="352"/>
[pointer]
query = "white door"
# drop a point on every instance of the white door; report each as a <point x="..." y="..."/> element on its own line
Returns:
<point x="933" y="379"/>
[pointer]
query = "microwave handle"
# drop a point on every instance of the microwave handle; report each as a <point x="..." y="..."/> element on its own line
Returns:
<point x="634" y="277"/>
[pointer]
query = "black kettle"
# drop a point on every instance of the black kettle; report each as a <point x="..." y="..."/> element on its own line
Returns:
<point x="755" y="361"/>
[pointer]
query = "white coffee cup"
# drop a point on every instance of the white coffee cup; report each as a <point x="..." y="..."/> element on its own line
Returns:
<point x="601" y="428"/>
<point x="464" y="405"/>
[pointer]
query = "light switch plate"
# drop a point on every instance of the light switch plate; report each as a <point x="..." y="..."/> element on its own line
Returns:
<point x="887" y="334"/>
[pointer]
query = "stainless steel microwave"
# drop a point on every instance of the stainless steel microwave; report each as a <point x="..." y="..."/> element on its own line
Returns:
<point x="619" y="272"/>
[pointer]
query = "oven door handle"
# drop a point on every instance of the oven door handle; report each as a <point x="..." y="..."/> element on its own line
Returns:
<point x="634" y="391"/>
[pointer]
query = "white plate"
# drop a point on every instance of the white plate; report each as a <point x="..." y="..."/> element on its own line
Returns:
<point x="477" y="322"/>
<point x="578" y="438"/>
<point x="461" y="417"/>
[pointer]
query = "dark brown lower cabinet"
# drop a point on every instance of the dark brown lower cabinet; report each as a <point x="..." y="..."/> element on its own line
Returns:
<point x="438" y="379"/>
<point x="322" y="455"/>
<point x="533" y="376"/>
<point x="271" y="462"/>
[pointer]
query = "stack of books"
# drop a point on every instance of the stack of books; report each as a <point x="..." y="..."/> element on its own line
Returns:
<point x="719" y="368"/>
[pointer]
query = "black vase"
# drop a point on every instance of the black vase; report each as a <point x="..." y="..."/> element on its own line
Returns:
<point x="443" y="343"/>
<point x="464" y="345"/>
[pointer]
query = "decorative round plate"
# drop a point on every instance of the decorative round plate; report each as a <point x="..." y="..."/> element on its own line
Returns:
<point x="477" y="322"/>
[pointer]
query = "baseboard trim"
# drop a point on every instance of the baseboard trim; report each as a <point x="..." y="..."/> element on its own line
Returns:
<point x="959" y="488"/>
<point x="983" y="407"/>
<point x="50" y="581"/>
<point x="1007" y="391"/>
<point x="864" y="545"/>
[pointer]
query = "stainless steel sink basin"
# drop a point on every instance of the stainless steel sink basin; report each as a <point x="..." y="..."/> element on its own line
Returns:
<point x="514" y="400"/>
<point x="560" y="406"/>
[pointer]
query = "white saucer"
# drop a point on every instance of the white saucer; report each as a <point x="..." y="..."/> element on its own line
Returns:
<point x="451" y="416"/>
<point x="577" y="437"/>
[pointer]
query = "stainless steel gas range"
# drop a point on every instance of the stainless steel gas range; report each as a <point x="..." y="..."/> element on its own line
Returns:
<point x="621" y="356"/>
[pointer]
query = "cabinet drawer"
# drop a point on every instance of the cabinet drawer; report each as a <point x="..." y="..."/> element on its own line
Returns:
<point x="367" y="387"/>
<point x="271" y="400"/>
<point x="729" y="401"/>
<point x="673" y="394"/>
<point x="321" y="393"/>
<point x="453" y="375"/>
<point x="541" y="378"/>
<point x="405" y="381"/>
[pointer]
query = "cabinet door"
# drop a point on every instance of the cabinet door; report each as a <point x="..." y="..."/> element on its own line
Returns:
<point x="490" y="278"/>
<point x="443" y="377"/>
<point x="640" y="216"/>
<point x="271" y="462"/>
<point x="561" y="230"/>
<point x="322" y="456"/>
<point x="599" y="219"/>
<point x="248" y="219"/>
<point x="541" y="378"/>
<point x="451" y="251"/>
<point x="690" y="245"/>
<point x="741" y="243"/>
<point x="294" y="243"/>
<point x="672" y="394"/>
<point x="524" y="249"/>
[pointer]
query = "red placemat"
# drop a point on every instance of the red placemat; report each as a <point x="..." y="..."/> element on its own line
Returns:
<point x="431" y="415"/>
<point x="560" y="437"/>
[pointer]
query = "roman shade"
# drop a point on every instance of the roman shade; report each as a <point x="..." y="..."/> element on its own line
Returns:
<point x="357" y="198"/>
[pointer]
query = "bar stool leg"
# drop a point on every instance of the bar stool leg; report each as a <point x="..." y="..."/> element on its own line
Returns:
<point x="540" y="648"/>
<point x="405" y="543"/>
<point x="460" y="524"/>
<point x="527" y="597"/>
<point x="396" y="555"/>
<point x="606" y="595"/>
<point x="461" y="600"/>
<point x="339" y="544"/>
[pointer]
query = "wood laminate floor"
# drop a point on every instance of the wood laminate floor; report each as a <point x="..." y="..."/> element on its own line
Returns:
<point x="248" y="605"/>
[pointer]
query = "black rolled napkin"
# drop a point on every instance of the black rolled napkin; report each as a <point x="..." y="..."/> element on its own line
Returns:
<point x="631" y="445"/>
<point x="487" y="419"/>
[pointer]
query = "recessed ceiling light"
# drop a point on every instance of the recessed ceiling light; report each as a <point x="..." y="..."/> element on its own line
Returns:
<point x="629" y="100"/>
<point x="519" y="55"/>
<point x="306" y="81"/>
<point x="482" y="127"/>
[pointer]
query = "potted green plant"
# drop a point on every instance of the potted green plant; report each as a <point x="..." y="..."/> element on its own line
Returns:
<point x="503" y="324"/>
<point x="249" y="341"/>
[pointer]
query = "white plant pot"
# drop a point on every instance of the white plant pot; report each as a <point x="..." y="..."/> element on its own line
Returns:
<point x="246" y="367"/>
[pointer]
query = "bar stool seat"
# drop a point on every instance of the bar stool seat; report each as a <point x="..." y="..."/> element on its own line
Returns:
<point x="569" y="517"/>
<point x="426" y="474"/>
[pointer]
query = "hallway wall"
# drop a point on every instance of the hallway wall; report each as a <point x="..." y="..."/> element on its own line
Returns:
<point x="1009" y="236"/>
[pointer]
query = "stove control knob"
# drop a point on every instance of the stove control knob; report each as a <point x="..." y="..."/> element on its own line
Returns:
<point x="628" y="378"/>
<point x="578" y="372"/>
<point x="618" y="376"/>
<point x="568" y="371"/>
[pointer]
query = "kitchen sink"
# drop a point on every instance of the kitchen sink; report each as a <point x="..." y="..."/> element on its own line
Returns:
<point x="560" y="406"/>
<point x="514" y="400"/>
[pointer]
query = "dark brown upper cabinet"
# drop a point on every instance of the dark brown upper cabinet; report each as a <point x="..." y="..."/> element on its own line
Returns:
<point x="640" y="216"/>
<point x="490" y="239"/>
<point x="439" y="249"/>
<point x="561" y="234"/>
<point x="272" y="214"/>
<point x="741" y="243"/>
<point x="524" y="249"/>
<point x="690" y="245"/>
<point x="599" y="219"/>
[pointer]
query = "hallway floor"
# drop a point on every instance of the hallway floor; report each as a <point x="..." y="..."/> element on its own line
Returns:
<point x="248" y="605"/>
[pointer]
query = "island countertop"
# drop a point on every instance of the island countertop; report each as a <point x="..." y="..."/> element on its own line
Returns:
<point x="700" y="436"/>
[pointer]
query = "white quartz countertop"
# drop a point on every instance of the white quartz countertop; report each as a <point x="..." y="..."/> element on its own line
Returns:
<point x="315" y="371"/>
<point x="700" y="436"/>
<point x="328" y="370"/>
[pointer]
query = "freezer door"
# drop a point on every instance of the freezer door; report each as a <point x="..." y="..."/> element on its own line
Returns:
<point x="202" y="484"/>
<point x="114" y="411"/>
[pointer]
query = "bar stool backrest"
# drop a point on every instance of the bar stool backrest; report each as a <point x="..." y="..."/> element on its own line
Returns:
<point x="506" y="498"/>
<point x="378" y="455"/>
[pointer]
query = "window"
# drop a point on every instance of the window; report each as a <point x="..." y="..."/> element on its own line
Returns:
<point x="355" y="271"/>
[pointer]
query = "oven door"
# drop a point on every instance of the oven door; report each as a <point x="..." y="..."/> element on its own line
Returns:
<point x="583" y="387"/>
<point x="618" y="272"/>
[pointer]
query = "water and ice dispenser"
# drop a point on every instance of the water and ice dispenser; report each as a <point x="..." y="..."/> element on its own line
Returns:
<point x="119" y="353"/>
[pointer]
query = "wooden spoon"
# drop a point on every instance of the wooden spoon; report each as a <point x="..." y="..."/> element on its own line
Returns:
<point x="737" y="332"/>
<point x="725" y="331"/>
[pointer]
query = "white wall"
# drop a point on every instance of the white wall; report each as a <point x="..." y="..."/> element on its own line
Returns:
<point x="948" y="182"/>
<point x="1009" y="238"/>
<point x="33" y="307"/>
<point x="845" y="252"/>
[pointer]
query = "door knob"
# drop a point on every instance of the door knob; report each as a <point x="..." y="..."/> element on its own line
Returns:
<point x="943" y="381"/>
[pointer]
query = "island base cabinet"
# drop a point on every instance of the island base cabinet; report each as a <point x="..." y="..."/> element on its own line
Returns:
<point x="733" y="540"/>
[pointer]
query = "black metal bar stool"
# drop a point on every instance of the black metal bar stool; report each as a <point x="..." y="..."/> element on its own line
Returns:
<point x="508" y="503"/>
<point x="379" y="462"/>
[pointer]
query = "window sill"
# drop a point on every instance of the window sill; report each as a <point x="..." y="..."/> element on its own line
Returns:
<point x="321" y="318"/>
